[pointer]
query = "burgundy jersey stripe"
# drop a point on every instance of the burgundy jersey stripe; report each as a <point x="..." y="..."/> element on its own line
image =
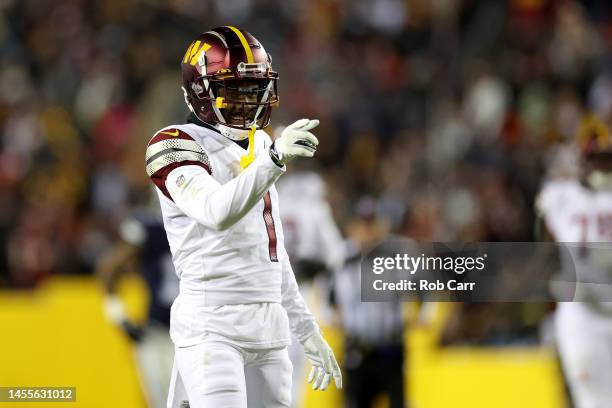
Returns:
<point x="159" y="177"/>
<point x="267" y="215"/>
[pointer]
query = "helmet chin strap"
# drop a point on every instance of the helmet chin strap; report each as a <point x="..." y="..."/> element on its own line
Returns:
<point x="241" y="134"/>
<point x="248" y="159"/>
<point x="232" y="133"/>
<point x="599" y="180"/>
<point x="250" y="156"/>
<point x="238" y="134"/>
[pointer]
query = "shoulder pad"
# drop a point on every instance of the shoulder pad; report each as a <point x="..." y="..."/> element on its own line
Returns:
<point x="172" y="146"/>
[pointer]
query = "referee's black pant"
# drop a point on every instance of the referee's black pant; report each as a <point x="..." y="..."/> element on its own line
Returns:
<point x="374" y="371"/>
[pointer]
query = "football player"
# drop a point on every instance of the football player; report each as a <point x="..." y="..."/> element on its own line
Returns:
<point x="142" y="239"/>
<point x="215" y="178"/>
<point x="578" y="213"/>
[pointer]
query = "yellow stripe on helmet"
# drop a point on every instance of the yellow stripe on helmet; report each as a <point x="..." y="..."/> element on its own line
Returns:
<point x="188" y="53"/>
<point x="245" y="44"/>
<point x="191" y="51"/>
<point x="198" y="54"/>
<point x="594" y="128"/>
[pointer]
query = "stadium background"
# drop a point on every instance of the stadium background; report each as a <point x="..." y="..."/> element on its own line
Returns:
<point x="446" y="112"/>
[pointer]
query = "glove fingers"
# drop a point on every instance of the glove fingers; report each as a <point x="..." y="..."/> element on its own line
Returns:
<point x="319" y="380"/>
<point x="306" y="141"/>
<point x="334" y="363"/>
<point x="310" y="137"/>
<point x="328" y="362"/>
<point x="338" y="380"/>
<point x="298" y="124"/>
<point x="302" y="143"/>
<point x="311" y="376"/>
<point x="307" y="144"/>
<point x="336" y="372"/>
<point x="325" y="382"/>
<point x="313" y="123"/>
<point x="307" y="152"/>
<point x="315" y="377"/>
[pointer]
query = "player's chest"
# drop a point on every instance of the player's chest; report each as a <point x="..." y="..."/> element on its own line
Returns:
<point x="588" y="221"/>
<point x="225" y="159"/>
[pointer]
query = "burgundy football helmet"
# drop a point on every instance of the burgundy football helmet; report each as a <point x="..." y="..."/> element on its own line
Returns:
<point x="595" y="147"/>
<point x="228" y="79"/>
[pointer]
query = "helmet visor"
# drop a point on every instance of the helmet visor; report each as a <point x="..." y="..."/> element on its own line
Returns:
<point x="246" y="101"/>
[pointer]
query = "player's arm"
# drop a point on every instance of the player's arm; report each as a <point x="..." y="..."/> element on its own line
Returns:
<point x="544" y="205"/>
<point x="109" y="268"/>
<point x="301" y="320"/>
<point x="219" y="206"/>
<point x="112" y="264"/>
<point x="305" y="328"/>
<point x="183" y="174"/>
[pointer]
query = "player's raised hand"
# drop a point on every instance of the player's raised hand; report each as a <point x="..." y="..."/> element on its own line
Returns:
<point x="296" y="140"/>
<point x="324" y="364"/>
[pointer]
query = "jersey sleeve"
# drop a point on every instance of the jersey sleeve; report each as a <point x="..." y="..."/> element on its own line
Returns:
<point x="170" y="149"/>
<point x="181" y="170"/>
<point x="301" y="320"/>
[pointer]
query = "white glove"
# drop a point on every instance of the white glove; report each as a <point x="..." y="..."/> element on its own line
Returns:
<point x="324" y="364"/>
<point x="296" y="140"/>
<point x="115" y="312"/>
<point x="114" y="309"/>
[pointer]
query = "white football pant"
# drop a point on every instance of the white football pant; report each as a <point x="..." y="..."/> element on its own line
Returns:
<point x="584" y="339"/>
<point x="218" y="374"/>
<point x="154" y="359"/>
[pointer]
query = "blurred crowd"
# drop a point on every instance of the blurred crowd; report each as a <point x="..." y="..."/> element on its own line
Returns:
<point x="445" y="112"/>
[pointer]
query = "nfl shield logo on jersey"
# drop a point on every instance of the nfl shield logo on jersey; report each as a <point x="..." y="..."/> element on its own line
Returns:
<point x="180" y="180"/>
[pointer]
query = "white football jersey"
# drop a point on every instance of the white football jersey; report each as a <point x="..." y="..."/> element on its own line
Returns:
<point x="575" y="213"/>
<point x="226" y="239"/>
<point x="581" y="218"/>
